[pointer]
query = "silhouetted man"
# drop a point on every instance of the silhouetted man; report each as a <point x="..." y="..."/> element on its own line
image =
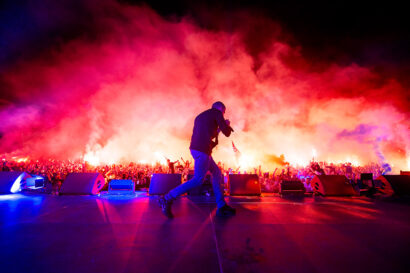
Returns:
<point x="206" y="128"/>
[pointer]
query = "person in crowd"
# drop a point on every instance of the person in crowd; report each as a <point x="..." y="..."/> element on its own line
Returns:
<point x="171" y="165"/>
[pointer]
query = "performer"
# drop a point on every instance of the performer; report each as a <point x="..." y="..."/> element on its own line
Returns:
<point x="206" y="127"/>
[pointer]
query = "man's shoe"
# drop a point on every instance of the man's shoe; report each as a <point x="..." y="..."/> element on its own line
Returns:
<point x="166" y="206"/>
<point x="225" y="211"/>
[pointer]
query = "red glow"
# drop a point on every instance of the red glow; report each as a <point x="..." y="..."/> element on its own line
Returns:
<point x="133" y="94"/>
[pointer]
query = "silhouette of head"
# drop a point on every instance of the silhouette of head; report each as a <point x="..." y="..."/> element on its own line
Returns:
<point x="219" y="106"/>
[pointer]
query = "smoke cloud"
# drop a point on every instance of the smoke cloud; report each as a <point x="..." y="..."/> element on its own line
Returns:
<point x="129" y="83"/>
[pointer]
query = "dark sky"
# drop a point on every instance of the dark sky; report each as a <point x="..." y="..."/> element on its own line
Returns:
<point x="364" y="31"/>
<point x="371" y="34"/>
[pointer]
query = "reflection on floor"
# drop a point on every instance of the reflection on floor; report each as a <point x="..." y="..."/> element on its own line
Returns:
<point x="45" y="233"/>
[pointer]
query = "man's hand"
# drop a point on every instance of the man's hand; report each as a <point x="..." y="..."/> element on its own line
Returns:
<point x="223" y="124"/>
<point x="229" y="124"/>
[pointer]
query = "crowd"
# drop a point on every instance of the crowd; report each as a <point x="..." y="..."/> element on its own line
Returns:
<point x="55" y="171"/>
<point x="270" y="181"/>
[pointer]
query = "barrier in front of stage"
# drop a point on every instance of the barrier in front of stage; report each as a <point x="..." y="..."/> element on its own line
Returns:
<point x="82" y="184"/>
<point x="332" y="185"/>
<point x="244" y="184"/>
<point x="162" y="183"/>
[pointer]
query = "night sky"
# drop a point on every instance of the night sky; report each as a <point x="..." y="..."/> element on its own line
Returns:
<point x="339" y="30"/>
<point x="343" y="31"/>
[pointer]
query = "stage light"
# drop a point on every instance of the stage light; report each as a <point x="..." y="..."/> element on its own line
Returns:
<point x="17" y="184"/>
<point x="35" y="182"/>
<point x="12" y="182"/>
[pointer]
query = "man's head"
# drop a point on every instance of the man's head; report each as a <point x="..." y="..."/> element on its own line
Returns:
<point x="219" y="106"/>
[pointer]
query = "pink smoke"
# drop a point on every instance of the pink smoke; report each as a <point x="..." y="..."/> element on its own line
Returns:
<point x="131" y="94"/>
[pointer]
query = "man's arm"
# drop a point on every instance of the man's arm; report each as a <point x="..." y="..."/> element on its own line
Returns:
<point x="225" y="128"/>
<point x="214" y="143"/>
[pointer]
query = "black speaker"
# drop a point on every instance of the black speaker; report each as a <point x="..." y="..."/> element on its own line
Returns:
<point x="398" y="185"/>
<point x="244" y="184"/>
<point x="292" y="188"/>
<point x="162" y="183"/>
<point x="336" y="185"/>
<point x="82" y="184"/>
<point x="366" y="176"/>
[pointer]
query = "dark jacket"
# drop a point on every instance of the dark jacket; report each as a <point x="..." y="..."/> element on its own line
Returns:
<point x="206" y="128"/>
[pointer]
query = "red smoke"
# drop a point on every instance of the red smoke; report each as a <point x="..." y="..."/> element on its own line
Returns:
<point x="132" y="92"/>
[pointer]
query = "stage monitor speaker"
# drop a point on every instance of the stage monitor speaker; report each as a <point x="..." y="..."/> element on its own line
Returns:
<point x="162" y="183"/>
<point x="12" y="182"/>
<point x="398" y="185"/>
<point x="294" y="187"/>
<point x="332" y="185"/>
<point x="244" y="184"/>
<point x="82" y="184"/>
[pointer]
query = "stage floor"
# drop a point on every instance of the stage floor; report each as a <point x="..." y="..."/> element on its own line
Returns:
<point x="46" y="233"/>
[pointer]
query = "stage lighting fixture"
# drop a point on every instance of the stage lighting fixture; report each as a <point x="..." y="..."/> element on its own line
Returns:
<point x="35" y="182"/>
<point x="12" y="182"/>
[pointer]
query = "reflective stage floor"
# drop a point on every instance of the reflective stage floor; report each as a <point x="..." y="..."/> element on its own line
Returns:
<point x="46" y="233"/>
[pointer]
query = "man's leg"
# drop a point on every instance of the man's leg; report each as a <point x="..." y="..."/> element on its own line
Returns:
<point x="201" y="167"/>
<point x="217" y="179"/>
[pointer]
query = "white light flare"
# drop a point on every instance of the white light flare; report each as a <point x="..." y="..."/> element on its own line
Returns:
<point x="314" y="153"/>
<point x="160" y="158"/>
<point x="91" y="158"/>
